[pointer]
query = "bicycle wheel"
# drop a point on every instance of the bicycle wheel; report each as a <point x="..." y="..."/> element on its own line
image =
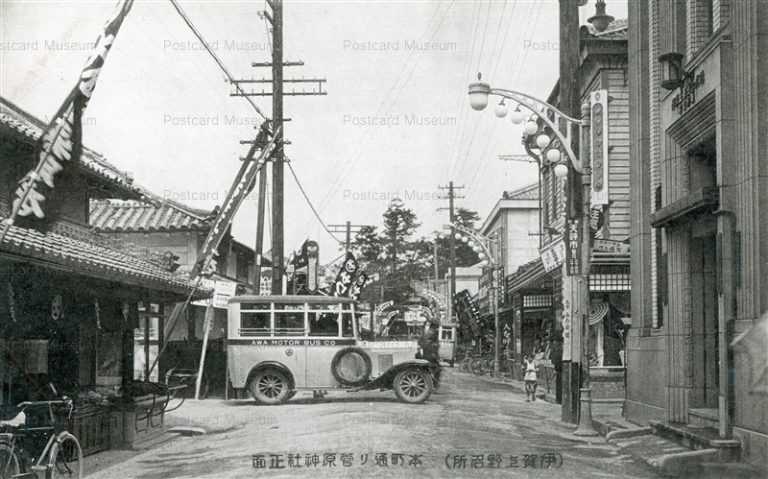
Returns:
<point x="477" y="367"/>
<point x="66" y="458"/>
<point x="10" y="466"/>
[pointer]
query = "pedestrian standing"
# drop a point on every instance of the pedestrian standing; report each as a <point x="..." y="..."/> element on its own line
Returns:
<point x="430" y="349"/>
<point x="530" y="378"/>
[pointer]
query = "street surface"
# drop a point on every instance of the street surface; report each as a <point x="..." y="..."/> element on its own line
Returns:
<point x="471" y="428"/>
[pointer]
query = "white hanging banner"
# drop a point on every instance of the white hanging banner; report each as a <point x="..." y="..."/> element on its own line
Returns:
<point x="599" y="146"/>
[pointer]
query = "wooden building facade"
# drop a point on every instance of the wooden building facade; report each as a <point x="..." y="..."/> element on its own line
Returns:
<point x="72" y="298"/>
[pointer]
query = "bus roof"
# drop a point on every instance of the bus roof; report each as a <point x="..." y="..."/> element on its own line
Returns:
<point x="290" y="299"/>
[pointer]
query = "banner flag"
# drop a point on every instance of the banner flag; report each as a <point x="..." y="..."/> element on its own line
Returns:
<point x="61" y="142"/>
<point x="344" y="279"/>
<point x="237" y="193"/>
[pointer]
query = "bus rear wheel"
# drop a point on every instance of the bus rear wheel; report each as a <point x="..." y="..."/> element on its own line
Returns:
<point x="270" y="387"/>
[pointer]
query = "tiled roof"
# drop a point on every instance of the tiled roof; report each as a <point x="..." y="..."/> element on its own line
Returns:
<point x="23" y="123"/>
<point x="93" y="260"/>
<point x="530" y="192"/>
<point x="127" y="216"/>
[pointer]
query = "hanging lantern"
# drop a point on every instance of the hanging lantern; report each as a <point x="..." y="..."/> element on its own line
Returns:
<point x="671" y="70"/>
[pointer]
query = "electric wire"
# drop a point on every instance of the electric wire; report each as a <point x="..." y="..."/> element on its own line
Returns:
<point x="309" y="202"/>
<point x="215" y="57"/>
<point x="389" y="99"/>
<point x="484" y="164"/>
<point x="459" y="136"/>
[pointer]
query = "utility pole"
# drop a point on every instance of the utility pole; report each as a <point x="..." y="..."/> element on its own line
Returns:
<point x="574" y="288"/>
<point x="278" y="157"/>
<point x="347" y="228"/>
<point x="437" y="271"/>
<point x="260" y="228"/>
<point x="452" y="241"/>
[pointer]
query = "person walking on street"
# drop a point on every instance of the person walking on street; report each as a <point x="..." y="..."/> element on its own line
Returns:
<point x="429" y="342"/>
<point x="530" y="378"/>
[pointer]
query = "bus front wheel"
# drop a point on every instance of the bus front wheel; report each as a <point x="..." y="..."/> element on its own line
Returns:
<point x="270" y="387"/>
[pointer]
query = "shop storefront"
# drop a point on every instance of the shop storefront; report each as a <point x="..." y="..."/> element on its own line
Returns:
<point x="70" y="299"/>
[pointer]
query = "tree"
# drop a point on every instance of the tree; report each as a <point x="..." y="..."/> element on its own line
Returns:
<point x="399" y="224"/>
<point x="394" y="259"/>
<point x="367" y="247"/>
<point x="465" y="255"/>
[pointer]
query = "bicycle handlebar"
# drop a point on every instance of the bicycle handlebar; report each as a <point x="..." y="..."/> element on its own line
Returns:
<point x="59" y="402"/>
<point x="65" y="402"/>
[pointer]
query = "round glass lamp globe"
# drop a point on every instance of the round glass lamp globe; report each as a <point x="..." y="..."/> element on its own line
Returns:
<point x="478" y="95"/>
<point x="531" y="127"/>
<point x="517" y="116"/>
<point x="542" y="141"/>
<point x="501" y="110"/>
<point x="561" y="170"/>
<point x="553" y="155"/>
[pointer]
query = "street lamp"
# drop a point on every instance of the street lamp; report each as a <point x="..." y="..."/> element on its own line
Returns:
<point x="552" y="119"/>
<point x="481" y="244"/>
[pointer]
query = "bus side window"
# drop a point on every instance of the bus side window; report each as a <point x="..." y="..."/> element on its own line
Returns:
<point x="254" y="324"/>
<point x="347" y="329"/>
<point x="323" y="324"/>
<point x="289" y="323"/>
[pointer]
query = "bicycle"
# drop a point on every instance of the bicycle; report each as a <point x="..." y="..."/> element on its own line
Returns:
<point x="62" y="456"/>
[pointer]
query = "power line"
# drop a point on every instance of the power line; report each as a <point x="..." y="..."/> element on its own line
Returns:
<point x="214" y="56"/>
<point x="309" y="202"/>
<point x="389" y="100"/>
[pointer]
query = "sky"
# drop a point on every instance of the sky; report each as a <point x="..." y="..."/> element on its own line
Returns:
<point x="396" y="121"/>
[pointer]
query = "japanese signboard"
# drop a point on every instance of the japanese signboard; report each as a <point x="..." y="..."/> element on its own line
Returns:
<point x="223" y="289"/>
<point x="599" y="146"/>
<point x="553" y="255"/>
<point x="611" y="246"/>
<point x="574" y="247"/>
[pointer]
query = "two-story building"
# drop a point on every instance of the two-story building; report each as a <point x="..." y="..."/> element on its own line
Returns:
<point x="512" y="226"/>
<point x="72" y="298"/>
<point x="535" y="291"/>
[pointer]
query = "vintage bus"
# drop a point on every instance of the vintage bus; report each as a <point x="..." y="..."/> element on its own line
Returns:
<point x="278" y="345"/>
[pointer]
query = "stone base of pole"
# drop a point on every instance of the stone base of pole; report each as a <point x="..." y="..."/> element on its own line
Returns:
<point x="585" y="415"/>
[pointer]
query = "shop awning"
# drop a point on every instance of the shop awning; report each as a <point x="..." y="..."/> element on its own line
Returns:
<point x="92" y="260"/>
<point x="526" y="276"/>
<point x="698" y="201"/>
<point x="598" y="313"/>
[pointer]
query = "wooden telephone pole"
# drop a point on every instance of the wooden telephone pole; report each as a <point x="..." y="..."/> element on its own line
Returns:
<point x="452" y="241"/>
<point x="348" y="228"/>
<point x="573" y="285"/>
<point x="275" y="18"/>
